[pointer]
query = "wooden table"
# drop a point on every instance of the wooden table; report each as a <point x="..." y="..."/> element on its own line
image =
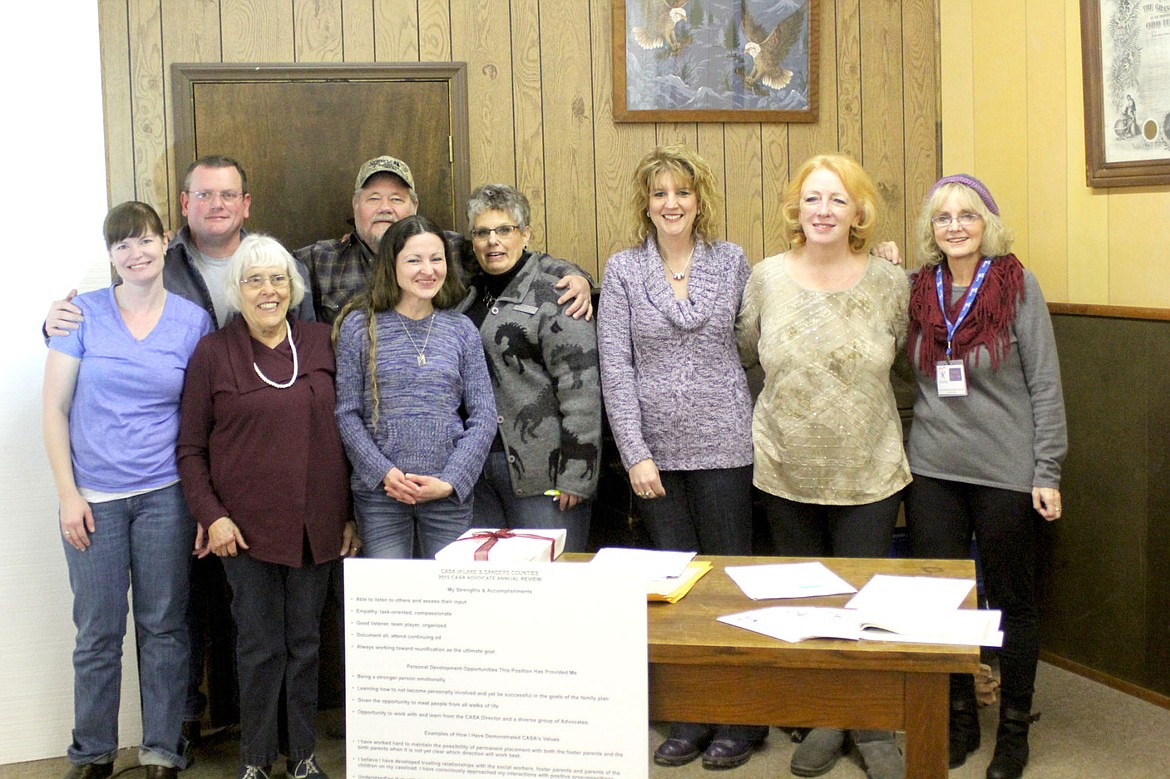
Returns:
<point x="705" y="671"/>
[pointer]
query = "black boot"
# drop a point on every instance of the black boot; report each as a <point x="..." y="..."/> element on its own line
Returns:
<point x="1011" y="744"/>
<point x="964" y="729"/>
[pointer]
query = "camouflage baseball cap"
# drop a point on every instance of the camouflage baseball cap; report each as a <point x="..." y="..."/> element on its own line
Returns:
<point x="384" y="165"/>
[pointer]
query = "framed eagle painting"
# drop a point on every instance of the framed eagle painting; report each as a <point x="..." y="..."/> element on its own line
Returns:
<point x="715" y="60"/>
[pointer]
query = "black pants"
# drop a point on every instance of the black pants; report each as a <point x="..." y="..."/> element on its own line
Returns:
<point x="815" y="530"/>
<point x="708" y="512"/>
<point x="278" y="618"/>
<point x="941" y="515"/>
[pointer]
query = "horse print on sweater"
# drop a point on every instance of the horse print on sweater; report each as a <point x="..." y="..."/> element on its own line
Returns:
<point x="519" y="348"/>
<point x="532" y="414"/>
<point x="572" y="448"/>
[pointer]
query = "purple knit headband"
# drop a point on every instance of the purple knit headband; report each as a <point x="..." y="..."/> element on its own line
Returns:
<point x="970" y="182"/>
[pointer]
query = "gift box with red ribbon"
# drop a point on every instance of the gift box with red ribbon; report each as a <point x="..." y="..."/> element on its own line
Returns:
<point x="504" y="546"/>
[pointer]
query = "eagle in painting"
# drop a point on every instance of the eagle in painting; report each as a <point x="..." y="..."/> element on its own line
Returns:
<point x="768" y="50"/>
<point x="660" y="17"/>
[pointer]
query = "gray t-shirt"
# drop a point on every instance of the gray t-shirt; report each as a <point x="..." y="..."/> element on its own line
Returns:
<point x="214" y="272"/>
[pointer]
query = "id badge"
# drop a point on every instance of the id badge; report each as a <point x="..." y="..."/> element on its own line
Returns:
<point x="951" y="377"/>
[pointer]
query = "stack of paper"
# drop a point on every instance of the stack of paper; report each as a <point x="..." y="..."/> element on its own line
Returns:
<point x="673" y="588"/>
<point x="913" y="609"/>
<point x="668" y="575"/>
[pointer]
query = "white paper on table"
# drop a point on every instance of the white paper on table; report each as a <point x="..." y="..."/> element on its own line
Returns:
<point x="497" y="670"/>
<point x="646" y="564"/>
<point x="788" y="580"/>
<point x="796" y="623"/>
<point x="887" y="594"/>
<point x="962" y="626"/>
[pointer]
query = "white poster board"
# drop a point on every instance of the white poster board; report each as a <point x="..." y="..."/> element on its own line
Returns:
<point x="534" y="670"/>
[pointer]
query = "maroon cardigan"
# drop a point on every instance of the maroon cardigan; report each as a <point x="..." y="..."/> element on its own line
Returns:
<point x="270" y="459"/>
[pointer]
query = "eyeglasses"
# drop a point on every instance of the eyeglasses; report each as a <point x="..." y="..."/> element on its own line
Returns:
<point x="277" y="280"/>
<point x="503" y="232"/>
<point x="965" y="219"/>
<point x="228" y="196"/>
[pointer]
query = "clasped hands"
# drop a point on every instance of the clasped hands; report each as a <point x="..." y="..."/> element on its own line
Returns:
<point x="412" y="488"/>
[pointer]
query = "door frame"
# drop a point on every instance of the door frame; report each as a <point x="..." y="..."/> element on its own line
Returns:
<point x="185" y="76"/>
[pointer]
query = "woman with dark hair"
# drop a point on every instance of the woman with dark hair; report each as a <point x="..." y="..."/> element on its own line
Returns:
<point x="265" y="475"/>
<point x="988" y="438"/>
<point x="111" y="418"/>
<point x="544" y="463"/>
<point x="825" y="321"/>
<point x="414" y="402"/>
<point x="676" y="395"/>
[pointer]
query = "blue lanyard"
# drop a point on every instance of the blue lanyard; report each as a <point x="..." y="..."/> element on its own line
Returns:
<point x="972" y="291"/>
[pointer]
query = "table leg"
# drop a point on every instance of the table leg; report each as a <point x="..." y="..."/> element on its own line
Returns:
<point x="927" y="716"/>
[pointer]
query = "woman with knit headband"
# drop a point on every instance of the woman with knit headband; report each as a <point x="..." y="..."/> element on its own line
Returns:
<point x="988" y="437"/>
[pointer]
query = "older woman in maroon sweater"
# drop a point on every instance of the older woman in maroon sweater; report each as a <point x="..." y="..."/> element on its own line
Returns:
<point x="265" y="475"/>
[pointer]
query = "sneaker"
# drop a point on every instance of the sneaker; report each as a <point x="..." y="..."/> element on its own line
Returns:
<point x="255" y="772"/>
<point x="303" y="769"/>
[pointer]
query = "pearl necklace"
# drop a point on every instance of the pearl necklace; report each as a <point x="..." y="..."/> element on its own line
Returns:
<point x="296" y="364"/>
<point x="679" y="275"/>
<point x="422" y="353"/>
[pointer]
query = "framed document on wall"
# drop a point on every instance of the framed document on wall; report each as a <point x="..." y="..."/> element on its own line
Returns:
<point x="1125" y="48"/>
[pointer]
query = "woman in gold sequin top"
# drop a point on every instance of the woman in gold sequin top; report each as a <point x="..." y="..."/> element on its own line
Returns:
<point x="825" y="321"/>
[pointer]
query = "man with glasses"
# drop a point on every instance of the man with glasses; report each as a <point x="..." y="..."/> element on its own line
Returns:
<point x="215" y="200"/>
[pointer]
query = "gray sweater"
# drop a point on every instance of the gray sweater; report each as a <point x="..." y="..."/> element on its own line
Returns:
<point x="543" y="367"/>
<point x="1009" y="431"/>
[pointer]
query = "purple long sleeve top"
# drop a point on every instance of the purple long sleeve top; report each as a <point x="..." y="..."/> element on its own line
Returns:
<point x="674" y="389"/>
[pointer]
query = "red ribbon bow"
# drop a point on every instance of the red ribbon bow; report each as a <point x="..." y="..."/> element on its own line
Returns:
<point x="490" y="537"/>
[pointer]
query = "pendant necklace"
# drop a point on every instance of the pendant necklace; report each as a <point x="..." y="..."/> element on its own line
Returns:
<point x="422" y="353"/>
<point x="296" y="364"/>
<point x="679" y="275"/>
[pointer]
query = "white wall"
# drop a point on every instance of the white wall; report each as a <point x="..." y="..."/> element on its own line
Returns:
<point x="52" y="201"/>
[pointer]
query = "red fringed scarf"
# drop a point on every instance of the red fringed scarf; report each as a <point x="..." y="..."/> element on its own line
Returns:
<point x="987" y="324"/>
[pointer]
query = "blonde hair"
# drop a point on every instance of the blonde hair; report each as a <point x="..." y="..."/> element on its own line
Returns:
<point x="997" y="236"/>
<point x="858" y="185"/>
<point x="688" y="168"/>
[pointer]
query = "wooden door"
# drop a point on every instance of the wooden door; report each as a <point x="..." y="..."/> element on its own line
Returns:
<point x="301" y="134"/>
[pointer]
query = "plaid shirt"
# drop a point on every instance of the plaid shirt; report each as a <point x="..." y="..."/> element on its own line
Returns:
<point x="341" y="267"/>
<point x="338" y="270"/>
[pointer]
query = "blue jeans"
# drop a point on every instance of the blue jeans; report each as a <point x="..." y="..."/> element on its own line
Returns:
<point x="278" y="614"/>
<point x="145" y="540"/>
<point x="387" y="527"/>
<point x="497" y="506"/>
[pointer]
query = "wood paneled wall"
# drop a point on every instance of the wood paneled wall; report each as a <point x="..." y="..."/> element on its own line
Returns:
<point x="541" y="102"/>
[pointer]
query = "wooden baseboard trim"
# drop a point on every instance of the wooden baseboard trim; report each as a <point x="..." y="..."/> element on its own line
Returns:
<point x="1129" y="688"/>
<point x="1114" y="312"/>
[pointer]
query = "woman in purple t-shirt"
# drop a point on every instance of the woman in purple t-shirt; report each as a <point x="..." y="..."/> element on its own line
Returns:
<point x="111" y="419"/>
